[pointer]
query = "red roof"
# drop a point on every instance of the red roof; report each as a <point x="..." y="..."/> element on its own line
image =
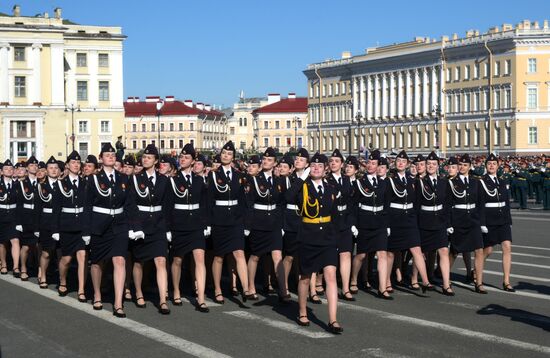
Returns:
<point x="175" y="108"/>
<point x="285" y="105"/>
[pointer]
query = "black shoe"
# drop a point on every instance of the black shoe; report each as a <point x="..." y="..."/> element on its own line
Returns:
<point x="222" y="301"/>
<point x="250" y="296"/>
<point x="319" y="292"/>
<point x="97" y="308"/>
<point x="346" y="298"/>
<point x="383" y="296"/>
<point x="415" y="286"/>
<point x="202" y="308"/>
<point x="315" y="299"/>
<point x="24" y="276"/>
<point x="142" y="305"/>
<point x="62" y="293"/>
<point x="507" y="287"/>
<point x="176" y="301"/>
<point x="234" y="292"/>
<point x="302" y="323"/>
<point x="285" y="300"/>
<point x="163" y="308"/>
<point x="428" y="287"/>
<point x="3" y="270"/>
<point x="16" y="273"/>
<point x="481" y="290"/>
<point x="118" y="312"/>
<point x="352" y="290"/>
<point x="335" y="329"/>
<point x="367" y="285"/>
<point x="127" y="295"/>
<point x="448" y="291"/>
<point x="43" y="284"/>
<point x="82" y="297"/>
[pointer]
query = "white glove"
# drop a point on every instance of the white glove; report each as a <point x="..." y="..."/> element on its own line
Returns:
<point x="305" y="174"/>
<point x="389" y="231"/>
<point x="86" y="239"/>
<point x="354" y="231"/>
<point x="484" y="229"/>
<point x="246" y="232"/>
<point x="139" y="235"/>
<point x="19" y="228"/>
<point x="282" y="232"/>
<point x="169" y="236"/>
<point x="37" y="233"/>
<point x="450" y="230"/>
<point x="55" y="236"/>
<point x="207" y="231"/>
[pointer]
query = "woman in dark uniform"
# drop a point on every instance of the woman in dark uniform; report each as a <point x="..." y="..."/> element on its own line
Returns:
<point x="404" y="235"/>
<point x="466" y="215"/>
<point x="8" y="220"/>
<point x="68" y="206"/>
<point x="372" y="224"/>
<point x="226" y="209"/>
<point x="498" y="219"/>
<point x="147" y="221"/>
<point x="318" y="237"/>
<point x="105" y="226"/>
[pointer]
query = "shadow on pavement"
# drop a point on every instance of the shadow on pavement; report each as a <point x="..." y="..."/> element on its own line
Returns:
<point x="517" y="315"/>
<point x="527" y="286"/>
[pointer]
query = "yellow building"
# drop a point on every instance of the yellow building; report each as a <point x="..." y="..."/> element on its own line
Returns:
<point x="51" y="71"/>
<point x="241" y="122"/>
<point x="482" y="92"/>
<point x="281" y="123"/>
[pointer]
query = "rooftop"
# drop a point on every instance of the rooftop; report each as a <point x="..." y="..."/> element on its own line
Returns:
<point x="285" y="105"/>
<point x="134" y="107"/>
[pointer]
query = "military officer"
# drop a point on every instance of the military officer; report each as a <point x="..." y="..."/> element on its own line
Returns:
<point x="8" y="220"/>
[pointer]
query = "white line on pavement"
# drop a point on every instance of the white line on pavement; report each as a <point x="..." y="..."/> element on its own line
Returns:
<point x="532" y="247"/>
<point x="541" y="279"/>
<point x="528" y="218"/>
<point x="168" y="339"/>
<point x="515" y="263"/>
<point x="289" y="327"/>
<point x="517" y="293"/>
<point x="525" y="255"/>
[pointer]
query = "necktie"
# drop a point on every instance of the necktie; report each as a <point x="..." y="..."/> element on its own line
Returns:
<point x="9" y="186"/>
<point x="435" y="182"/>
<point x="466" y="180"/>
<point x="320" y="189"/>
<point x="404" y="180"/>
<point x="496" y="180"/>
<point x="269" y="181"/>
<point x="112" y="180"/>
<point x="75" y="183"/>
<point x="188" y="177"/>
<point x="373" y="181"/>
<point x="340" y="180"/>
<point x="228" y="173"/>
<point x="151" y="180"/>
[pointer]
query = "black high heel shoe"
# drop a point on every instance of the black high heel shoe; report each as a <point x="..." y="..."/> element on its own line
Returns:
<point x="480" y="290"/>
<point x="507" y="287"/>
<point x="234" y="292"/>
<point x="346" y="298"/>
<point x="141" y="305"/>
<point x="428" y="287"/>
<point x="383" y="296"/>
<point x="315" y="299"/>
<point x="163" y="308"/>
<point x="415" y="286"/>
<point x="335" y="329"/>
<point x="202" y="307"/>
<point x="62" y="293"/>
<point x="448" y="291"/>
<point x="220" y="302"/>
<point x="302" y="323"/>
<point x="118" y="312"/>
<point x="176" y="301"/>
<point x="99" y="307"/>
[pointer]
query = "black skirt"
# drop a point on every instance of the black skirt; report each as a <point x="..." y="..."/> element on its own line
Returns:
<point x="496" y="235"/>
<point x="71" y="242"/>
<point x="345" y="241"/>
<point x="8" y="232"/>
<point x="153" y="245"/>
<point x="263" y="242"/>
<point x="466" y="239"/>
<point x="184" y="242"/>
<point x="27" y="238"/>
<point x="372" y="240"/>
<point x="46" y="241"/>
<point x="403" y="238"/>
<point x="290" y="244"/>
<point x="226" y="239"/>
<point x="108" y="245"/>
<point x="314" y="258"/>
<point x="433" y="239"/>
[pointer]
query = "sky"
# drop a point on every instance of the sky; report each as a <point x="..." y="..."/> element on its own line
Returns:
<point x="209" y="51"/>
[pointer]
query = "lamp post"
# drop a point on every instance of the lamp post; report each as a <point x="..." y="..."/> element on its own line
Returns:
<point x="295" y="120"/>
<point x="436" y="113"/>
<point x="72" y="109"/>
<point x="159" y="107"/>
<point x="358" y="117"/>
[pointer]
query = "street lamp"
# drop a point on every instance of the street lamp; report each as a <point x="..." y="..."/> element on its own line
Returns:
<point x="159" y="107"/>
<point x="436" y="113"/>
<point x="295" y="120"/>
<point x="72" y="109"/>
<point x="358" y="117"/>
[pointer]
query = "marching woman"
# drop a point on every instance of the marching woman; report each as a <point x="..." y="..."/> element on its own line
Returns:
<point x="265" y="198"/>
<point x="147" y="206"/>
<point x="400" y="201"/>
<point x="466" y="218"/>
<point x="434" y="204"/>
<point x="226" y="210"/>
<point x="318" y="250"/>
<point x="498" y="220"/>
<point x="186" y="200"/>
<point x="48" y="243"/>
<point x="105" y="226"/>
<point x="8" y="220"/>
<point x="68" y="206"/>
<point x="371" y="221"/>
<point x="342" y="224"/>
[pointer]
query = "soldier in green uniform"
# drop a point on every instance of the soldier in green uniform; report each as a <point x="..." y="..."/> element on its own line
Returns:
<point x="506" y="177"/>
<point x="478" y="170"/>
<point x="546" y="186"/>
<point x="530" y="190"/>
<point x="536" y="179"/>
<point x="522" y="185"/>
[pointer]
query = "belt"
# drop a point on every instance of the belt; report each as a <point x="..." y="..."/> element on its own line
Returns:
<point x="186" y="206"/>
<point x="464" y="206"/>
<point x="28" y="206"/>
<point x="521" y="179"/>
<point x="100" y="210"/>
<point x="47" y="210"/>
<point x="401" y="206"/>
<point x="72" y="210"/>
<point x="342" y="207"/>
<point x="8" y="207"/>
<point x="374" y="209"/>
<point x="265" y="207"/>
<point x="319" y="220"/>
<point x="495" y="205"/>
<point x="431" y="208"/>
<point x="227" y="202"/>
<point x="150" y="209"/>
<point x="291" y="207"/>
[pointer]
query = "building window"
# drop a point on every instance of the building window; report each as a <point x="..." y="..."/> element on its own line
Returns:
<point x="448" y="75"/>
<point x="476" y="137"/>
<point x="143" y="127"/>
<point x="277" y="142"/>
<point x="532" y="101"/>
<point x="458" y="104"/>
<point x="457" y="138"/>
<point x="288" y="124"/>
<point x="20" y="86"/>
<point x="276" y="124"/>
<point x="266" y="124"/>
<point x="507" y="67"/>
<point x="180" y="142"/>
<point x="467" y="72"/>
<point x="153" y="127"/>
<point x="134" y="144"/>
<point x="103" y="60"/>
<point x="19" y="54"/>
<point x="457" y="73"/>
<point x="497" y="68"/>
<point x="105" y="127"/>
<point x="448" y="138"/>
<point x="317" y="91"/>
<point x="83" y="149"/>
<point x="162" y="127"/>
<point x="81" y="60"/>
<point x="496" y="140"/>
<point x="143" y="144"/>
<point x="507" y="135"/>
<point x="171" y="127"/>
<point x="134" y="127"/>
<point x="476" y="70"/>
<point x="83" y="127"/>
<point x="103" y="90"/>
<point x="533" y="138"/>
<point x="467" y="104"/>
<point x="532" y="65"/>
<point x="485" y="70"/>
<point x="467" y="137"/>
<point x="507" y="98"/>
<point x="324" y="90"/>
<point x="486" y="100"/>
<point x="191" y="126"/>
<point x="476" y="101"/>
<point x="232" y="131"/>
<point x="497" y="99"/>
<point x="337" y="89"/>
<point x="171" y="143"/>
<point x="343" y="88"/>
<point x="266" y="142"/>
<point x="81" y="90"/>
<point x="330" y="89"/>
<point x="162" y="144"/>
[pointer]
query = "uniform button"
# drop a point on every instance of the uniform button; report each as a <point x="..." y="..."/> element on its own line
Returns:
<point x="321" y="205"/>
<point x="114" y="195"/>
<point x="321" y="228"/>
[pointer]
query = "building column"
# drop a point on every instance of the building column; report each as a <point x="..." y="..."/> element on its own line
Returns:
<point x="399" y="94"/>
<point x="433" y="95"/>
<point x="392" y="94"/>
<point x="425" y="99"/>
<point x="376" y="97"/>
<point x="37" y="80"/>
<point x="370" y="100"/>
<point x="441" y="82"/>
<point x="58" y="76"/>
<point x="362" y="96"/>
<point x="354" y="95"/>
<point x="384" y="95"/>
<point x="4" y="79"/>
<point x="417" y="110"/>
<point x="408" y="94"/>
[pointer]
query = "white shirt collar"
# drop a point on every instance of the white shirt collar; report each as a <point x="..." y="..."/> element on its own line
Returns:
<point x="51" y="181"/>
<point x="108" y="173"/>
<point x="336" y="176"/>
<point x="73" y="177"/>
<point x="7" y="181"/>
<point x="268" y="175"/>
<point x="432" y="177"/>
